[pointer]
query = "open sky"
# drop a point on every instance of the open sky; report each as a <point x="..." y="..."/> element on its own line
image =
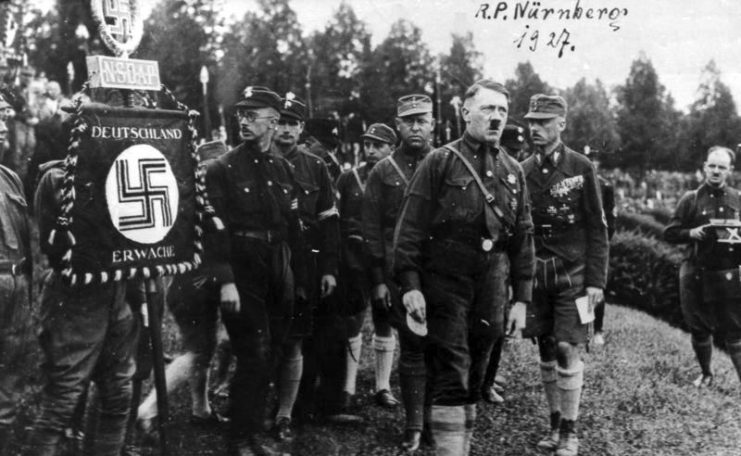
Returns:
<point x="679" y="36"/>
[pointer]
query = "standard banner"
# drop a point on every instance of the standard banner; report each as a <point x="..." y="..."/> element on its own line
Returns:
<point x="134" y="206"/>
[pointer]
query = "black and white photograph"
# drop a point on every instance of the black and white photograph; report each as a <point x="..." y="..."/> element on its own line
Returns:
<point x="370" y="228"/>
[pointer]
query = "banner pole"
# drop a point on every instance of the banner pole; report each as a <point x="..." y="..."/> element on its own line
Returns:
<point x="155" y="334"/>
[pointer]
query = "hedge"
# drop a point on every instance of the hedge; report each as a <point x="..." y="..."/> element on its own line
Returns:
<point x="644" y="275"/>
<point x="644" y="223"/>
<point x="662" y="214"/>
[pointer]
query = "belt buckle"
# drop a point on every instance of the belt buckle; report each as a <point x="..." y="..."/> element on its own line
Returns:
<point x="14" y="269"/>
<point x="487" y="244"/>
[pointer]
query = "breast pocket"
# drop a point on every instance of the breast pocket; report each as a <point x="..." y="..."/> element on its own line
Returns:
<point x="568" y="195"/>
<point x="12" y="219"/>
<point x="247" y="195"/>
<point x="459" y="198"/>
<point x="392" y="196"/>
<point x="308" y="196"/>
<point x="728" y="211"/>
<point x="510" y="195"/>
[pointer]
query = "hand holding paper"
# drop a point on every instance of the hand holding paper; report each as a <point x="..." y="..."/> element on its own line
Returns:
<point x="586" y="312"/>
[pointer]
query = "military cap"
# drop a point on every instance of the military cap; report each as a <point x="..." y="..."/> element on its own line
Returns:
<point x="381" y="132"/>
<point x="293" y="107"/>
<point x="326" y="131"/>
<point x="259" y="97"/>
<point x="546" y="107"/>
<point x="513" y="136"/>
<point x="410" y="105"/>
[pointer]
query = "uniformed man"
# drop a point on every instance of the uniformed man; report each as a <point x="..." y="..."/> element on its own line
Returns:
<point x="381" y="204"/>
<point x="572" y="249"/>
<point x="319" y="221"/>
<point x="378" y="142"/>
<point x="706" y="222"/>
<point x="87" y="334"/>
<point x="255" y="194"/>
<point x="513" y="142"/>
<point x="322" y="139"/>
<point x="15" y="305"/>
<point x="463" y="231"/>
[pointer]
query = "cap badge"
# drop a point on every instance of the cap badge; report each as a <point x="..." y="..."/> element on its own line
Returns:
<point x="290" y="96"/>
<point x="248" y="92"/>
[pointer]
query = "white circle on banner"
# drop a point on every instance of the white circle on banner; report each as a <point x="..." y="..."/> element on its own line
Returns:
<point x="142" y="194"/>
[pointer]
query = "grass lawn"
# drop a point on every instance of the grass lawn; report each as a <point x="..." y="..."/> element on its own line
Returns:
<point x="638" y="400"/>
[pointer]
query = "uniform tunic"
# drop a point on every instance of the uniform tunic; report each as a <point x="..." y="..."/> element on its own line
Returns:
<point x="320" y="229"/>
<point x="439" y="250"/>
<point x="87" y="333"/>
<point x="381" y="205"/>
<point x="354" y="284"/>
<point x="16" y="329"/>
<point x="702" y="312"/>
<point x="255" y="195"/>
<point x="570" y="241"/>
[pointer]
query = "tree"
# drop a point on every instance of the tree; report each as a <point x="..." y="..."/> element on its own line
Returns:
<point x="400" y="65"/>
<point x="63" y="35"/>
<point x="590" y="119"/>
<point x="643" y="119"/>
<point x="460" y="68"/>
<point x="339" y="54"/>
<point x="178" y="34"/>
<point x="265" y="48"/>
<point x="712" y="120"/>
<point x="526" y="84"/>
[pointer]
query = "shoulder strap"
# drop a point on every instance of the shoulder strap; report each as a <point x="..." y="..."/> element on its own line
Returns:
<point x="357" y="179"/>
<point x="487" y="195"/>
<point x="398" y="169"/>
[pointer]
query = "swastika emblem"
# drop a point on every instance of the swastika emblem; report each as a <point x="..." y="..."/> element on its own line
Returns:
<point x="142" y="194"/>
<point x="117" y="15"/>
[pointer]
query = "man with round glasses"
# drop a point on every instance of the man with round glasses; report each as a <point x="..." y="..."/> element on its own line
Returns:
<point x="254" y="259"/>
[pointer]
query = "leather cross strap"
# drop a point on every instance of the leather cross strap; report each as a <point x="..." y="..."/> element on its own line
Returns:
<point x="398" y="170"/>
<point x="357" y="179"/>
<point x="487" y="195"/>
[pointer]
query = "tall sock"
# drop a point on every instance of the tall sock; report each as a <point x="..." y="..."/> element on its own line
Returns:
<point x="704" y="353"/>
<point x="470" y="410"/>
<point x="734" y="350"/>
<point x="288" y="383"/>
<point x="449" y="429"/>
<point x="353" y="360"/>
<point x="570" y="383"/>
<point x="384" y="347"/>
<point x="549" y="377"/>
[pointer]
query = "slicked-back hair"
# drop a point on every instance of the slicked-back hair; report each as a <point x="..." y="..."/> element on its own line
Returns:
<point x="730" y="153"/>
<point x="485" y="84"/>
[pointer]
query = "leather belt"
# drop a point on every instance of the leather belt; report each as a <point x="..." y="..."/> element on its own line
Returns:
<point x="269" y="236"/>
<point x="13" y="268"/>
